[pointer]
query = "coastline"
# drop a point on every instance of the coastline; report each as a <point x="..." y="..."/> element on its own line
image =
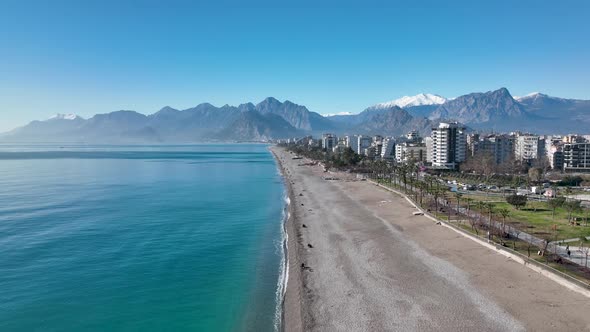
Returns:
<point x="371" y="265"/>
<point x="291" y="305"/>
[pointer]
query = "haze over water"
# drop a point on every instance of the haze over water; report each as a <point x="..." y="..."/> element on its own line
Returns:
<point x="113" y="238"/>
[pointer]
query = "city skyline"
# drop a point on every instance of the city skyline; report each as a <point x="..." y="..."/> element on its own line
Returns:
<point x="98" y="58"/>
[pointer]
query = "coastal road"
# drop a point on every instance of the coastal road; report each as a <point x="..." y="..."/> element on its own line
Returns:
<point x="363" y="262"/>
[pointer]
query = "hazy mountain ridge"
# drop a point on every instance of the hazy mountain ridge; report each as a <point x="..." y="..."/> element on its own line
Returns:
<point x="271" y="119"/>
<point x="254" y="126"/>
<point x="266" y="120"/>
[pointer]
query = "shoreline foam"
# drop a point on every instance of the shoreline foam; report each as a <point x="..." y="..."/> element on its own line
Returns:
<point x="290" y="305"/>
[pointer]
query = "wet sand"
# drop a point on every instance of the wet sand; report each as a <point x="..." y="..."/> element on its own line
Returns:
<point x="370" y="265"/>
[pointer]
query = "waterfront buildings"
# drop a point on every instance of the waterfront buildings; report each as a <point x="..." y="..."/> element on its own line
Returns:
<point x="409" y="151"/>
<point x="352" y="142"/>
<point x="388" y="149"/>
<point x="554" y="151"/>
<point x="363" y="142"/>
<point x="448" y="145"/>
<point x="528" y="147"/>
<point x="329" y="141"/>
<point x="576" y="157"/>
<point x="500" y="147"/>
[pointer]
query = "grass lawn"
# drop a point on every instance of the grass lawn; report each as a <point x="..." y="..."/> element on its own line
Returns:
<point x="536" y="218"/>
<point x="541" y="221"/>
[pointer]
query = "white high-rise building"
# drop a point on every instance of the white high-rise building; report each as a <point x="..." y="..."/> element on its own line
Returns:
<point x="528" y="147"/>
<point x="449" y="144"/>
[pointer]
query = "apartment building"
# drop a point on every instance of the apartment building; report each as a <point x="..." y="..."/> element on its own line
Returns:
<point x="448" y="145"/>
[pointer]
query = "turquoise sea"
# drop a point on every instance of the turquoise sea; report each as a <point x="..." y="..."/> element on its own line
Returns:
<point x="140" y="238"/>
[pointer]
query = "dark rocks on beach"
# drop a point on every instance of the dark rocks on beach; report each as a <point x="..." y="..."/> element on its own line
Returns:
<point x="303" y="267"/>
<point x="309" y="245"/>
<point x="302" y="204"/>
<point x="304" y="226"/>
<point x="300" y="194"/>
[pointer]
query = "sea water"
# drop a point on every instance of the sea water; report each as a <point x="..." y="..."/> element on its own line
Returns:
<point x="140" y="238"/>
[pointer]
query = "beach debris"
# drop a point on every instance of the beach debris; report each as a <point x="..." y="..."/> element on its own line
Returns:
<point x="300" y="194"/>
<point x="304" y="226"/>
<point x="309" y="245"/>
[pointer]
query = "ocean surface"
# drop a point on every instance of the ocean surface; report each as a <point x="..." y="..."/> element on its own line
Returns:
<point x="140" y="238"/>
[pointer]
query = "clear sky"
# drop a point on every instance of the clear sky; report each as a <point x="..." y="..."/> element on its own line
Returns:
<point x="88" y="57"/>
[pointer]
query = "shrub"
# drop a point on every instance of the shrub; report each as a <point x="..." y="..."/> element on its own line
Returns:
<point x="517" y="201"/>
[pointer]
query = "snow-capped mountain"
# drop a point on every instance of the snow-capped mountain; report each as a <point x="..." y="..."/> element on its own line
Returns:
<point x="64" y="117"/>
<point x="422" y="99"/>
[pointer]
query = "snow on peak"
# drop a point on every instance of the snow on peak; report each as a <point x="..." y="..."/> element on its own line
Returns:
<point x="64" y="117"/>
<point x="530" y="95"/>
<point x="417" y="100"/>
<point x="334" y="114"/>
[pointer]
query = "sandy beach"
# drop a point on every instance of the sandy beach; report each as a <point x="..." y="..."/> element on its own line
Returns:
<point x="359" y="260"/>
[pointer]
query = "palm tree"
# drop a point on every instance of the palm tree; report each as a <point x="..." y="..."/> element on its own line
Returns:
<point x="436" y="192"/>
<point x="458" y="197"/>
<point x="480" y="205"/>
<point x="404" y="173"/>
<point x="504" y="213"/>
<point x="490" y="209"/>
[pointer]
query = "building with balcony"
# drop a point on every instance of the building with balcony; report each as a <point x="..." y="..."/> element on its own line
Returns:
<point x="576" y="157"/>
<point x="448" y="145"/>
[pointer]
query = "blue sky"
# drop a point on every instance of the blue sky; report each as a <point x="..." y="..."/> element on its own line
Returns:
<point x="88" y="57"/>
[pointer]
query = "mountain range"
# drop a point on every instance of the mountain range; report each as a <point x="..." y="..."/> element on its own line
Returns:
<point x="272" y="119"/>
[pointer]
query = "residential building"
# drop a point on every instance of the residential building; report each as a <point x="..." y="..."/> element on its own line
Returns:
<point x="329" y="141"/>
<point x="528" y="147"/>
<point x="378" y="145"/>
<point x="428" y="143"/>
<point x="407" y="151"/>
<point x="352" y="142"/>
<point x="363" y="142"/>
<point x="554" y="151"/>
<point x="413" y="136"/>
<point x="388" y="149"/>
<point x="448" y="145"/>
<point x="576" y="157"/>
<point x="370" y="152"/>
<point x="500" y="147"/>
